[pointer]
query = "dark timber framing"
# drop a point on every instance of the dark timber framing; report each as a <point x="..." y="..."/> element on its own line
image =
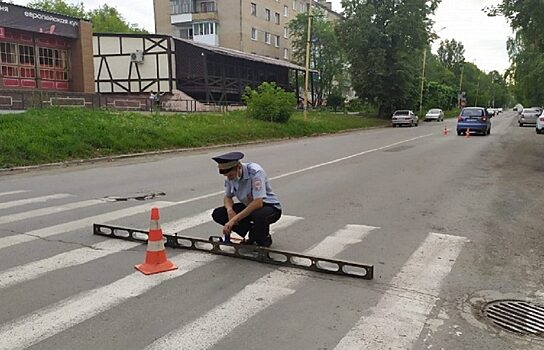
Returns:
<point x="220" y="75"/>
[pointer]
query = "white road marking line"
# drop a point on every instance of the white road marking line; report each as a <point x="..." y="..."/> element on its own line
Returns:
<point x="35" y="269"/>
<point x="208" y="330"/>
<point x="79" y="224"/>
<point x="34" y="200"/>
<point x="283" y="222"/>
<point x="47" y="211"/>
<point x="12" y="192"/>
<point x="187" y="223"/>
<point x="48" y="321"/>
<point x="404" y="307"/>
<point x="348" y="157"/>
<point x="209" y="195"/>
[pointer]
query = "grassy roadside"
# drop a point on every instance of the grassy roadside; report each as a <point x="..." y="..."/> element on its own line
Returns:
<point x="56" y="135"/>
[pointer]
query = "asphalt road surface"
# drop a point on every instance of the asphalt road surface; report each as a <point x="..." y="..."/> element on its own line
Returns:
<point x="450" y="224"/>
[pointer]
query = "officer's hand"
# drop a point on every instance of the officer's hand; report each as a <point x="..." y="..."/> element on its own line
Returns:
<point x="228" y="227"/>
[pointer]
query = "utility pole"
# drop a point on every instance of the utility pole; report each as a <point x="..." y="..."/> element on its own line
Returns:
<point x="307" y="77"/>
<point x="477" y="91"/>
<point x="460" y="85"/>
<point x="422" y="81"/>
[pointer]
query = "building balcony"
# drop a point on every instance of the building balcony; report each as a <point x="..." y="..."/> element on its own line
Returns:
<point x="194" y="7"/>
<point x="194" y="11"/>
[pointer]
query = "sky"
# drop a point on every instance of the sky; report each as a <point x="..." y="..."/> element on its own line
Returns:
<point x="483" y="37"/>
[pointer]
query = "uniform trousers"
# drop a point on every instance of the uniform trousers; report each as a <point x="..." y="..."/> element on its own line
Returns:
<point x="257" y="223"/>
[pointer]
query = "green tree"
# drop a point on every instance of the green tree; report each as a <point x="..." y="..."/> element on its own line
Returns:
<point x="104" y="19"/>
<point x="384" y="41"/>
<point x="451" y="53"/>
<point x="526" y="49"/>
<point x="108" y="19"/>
<point x="326" y="52"/>
<point x="61" y="7"/>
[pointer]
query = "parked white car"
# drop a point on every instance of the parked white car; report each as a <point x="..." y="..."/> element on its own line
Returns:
<point x="435" y="114"/>
<point x="540" y="123"/>
<point x="404" y="117"/>
<point x="529" y="116"/>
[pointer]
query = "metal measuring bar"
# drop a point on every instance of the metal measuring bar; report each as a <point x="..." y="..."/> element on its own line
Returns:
<point x="249" y="252"/>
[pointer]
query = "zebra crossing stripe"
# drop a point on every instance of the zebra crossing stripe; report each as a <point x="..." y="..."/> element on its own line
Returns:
<point x="12" y="192"/>
<point x="48" y="321"/>
<point x="208" y="330"/>
<point x="78" y="224"/>
<point x="35" y="269"/>
<point x="48" y="211"/>
<point x="20" y="202"/>
<point x="405" y="306"/>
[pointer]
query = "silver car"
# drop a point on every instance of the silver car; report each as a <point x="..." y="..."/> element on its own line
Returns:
<point x="540" y="123"/>
<point x="528" y="116"/>
<point x="435" y="114"/>
<point x="404" y="117"/>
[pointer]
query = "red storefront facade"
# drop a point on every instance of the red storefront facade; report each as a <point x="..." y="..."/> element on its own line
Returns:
<point x="43" y="51"/>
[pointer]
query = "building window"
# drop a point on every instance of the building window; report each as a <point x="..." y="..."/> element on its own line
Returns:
<point x="8" y="60"/>
<point x="253" y="9"/>
<point x="8" y="53"/>
<point x="267" y="38"/>
<point x="267" y="14"/>
<point x="204" y="28"/>
<point x="286" y="32"/>
<point x="26" y="55"/>
<point x="285" y="10"/>
<point x="181" y="6"/>
<point x="294" y="5"/>
<point x="276" y="40"/>
<point x="277" y="18"/>
<point x="254" y="34"/>
<point x="53" y="64"/>
<point x="186" y="32"/>
<point x="286" y="54"/>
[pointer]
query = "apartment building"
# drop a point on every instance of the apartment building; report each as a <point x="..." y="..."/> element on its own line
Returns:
<point x="253" y="26"/>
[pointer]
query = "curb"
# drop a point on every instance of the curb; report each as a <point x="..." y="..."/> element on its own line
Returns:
<point x="75" y="162"/>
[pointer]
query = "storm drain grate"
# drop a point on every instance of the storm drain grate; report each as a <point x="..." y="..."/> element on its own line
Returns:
<point x="521" y="317"/>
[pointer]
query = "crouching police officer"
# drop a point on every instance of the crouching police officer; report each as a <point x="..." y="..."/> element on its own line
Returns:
<point x="258" y="207"/>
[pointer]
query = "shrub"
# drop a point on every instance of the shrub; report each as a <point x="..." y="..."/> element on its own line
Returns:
<point x="335" y="100"/>
<point x="356" y="105"/>
<point x="270" y="103"/>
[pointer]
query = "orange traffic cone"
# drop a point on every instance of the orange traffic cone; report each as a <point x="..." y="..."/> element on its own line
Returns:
<point x="445" y="131"/>
<point x="467" y="133"/>
<point x="155" y="257"/>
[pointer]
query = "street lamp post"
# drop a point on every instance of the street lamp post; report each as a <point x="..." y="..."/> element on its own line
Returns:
<point x="423" y="74"/>
<point x="306" y="78"/>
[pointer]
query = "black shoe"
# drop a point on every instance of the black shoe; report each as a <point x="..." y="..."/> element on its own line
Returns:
<point x="267" y="242"/>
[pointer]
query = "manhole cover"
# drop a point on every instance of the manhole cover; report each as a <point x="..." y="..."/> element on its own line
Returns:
<point x="521" y="317"/>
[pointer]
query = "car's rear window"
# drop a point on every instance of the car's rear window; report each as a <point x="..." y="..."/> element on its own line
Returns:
<point x="401" y="113"/>
<point x="531" y="110"/>
<point x="434" y="111"/>
<point x="472" y="113"/>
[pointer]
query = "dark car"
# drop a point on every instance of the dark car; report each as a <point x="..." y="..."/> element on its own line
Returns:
<point x="474" y="119"/>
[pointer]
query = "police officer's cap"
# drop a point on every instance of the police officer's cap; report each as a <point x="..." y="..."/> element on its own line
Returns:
<point x="227" y="161"/>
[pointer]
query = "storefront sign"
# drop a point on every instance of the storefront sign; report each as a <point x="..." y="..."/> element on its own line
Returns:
<point x="23" y="18"/>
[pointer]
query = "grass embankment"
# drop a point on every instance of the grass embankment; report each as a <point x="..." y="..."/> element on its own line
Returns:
<point x="56" y="135"/>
